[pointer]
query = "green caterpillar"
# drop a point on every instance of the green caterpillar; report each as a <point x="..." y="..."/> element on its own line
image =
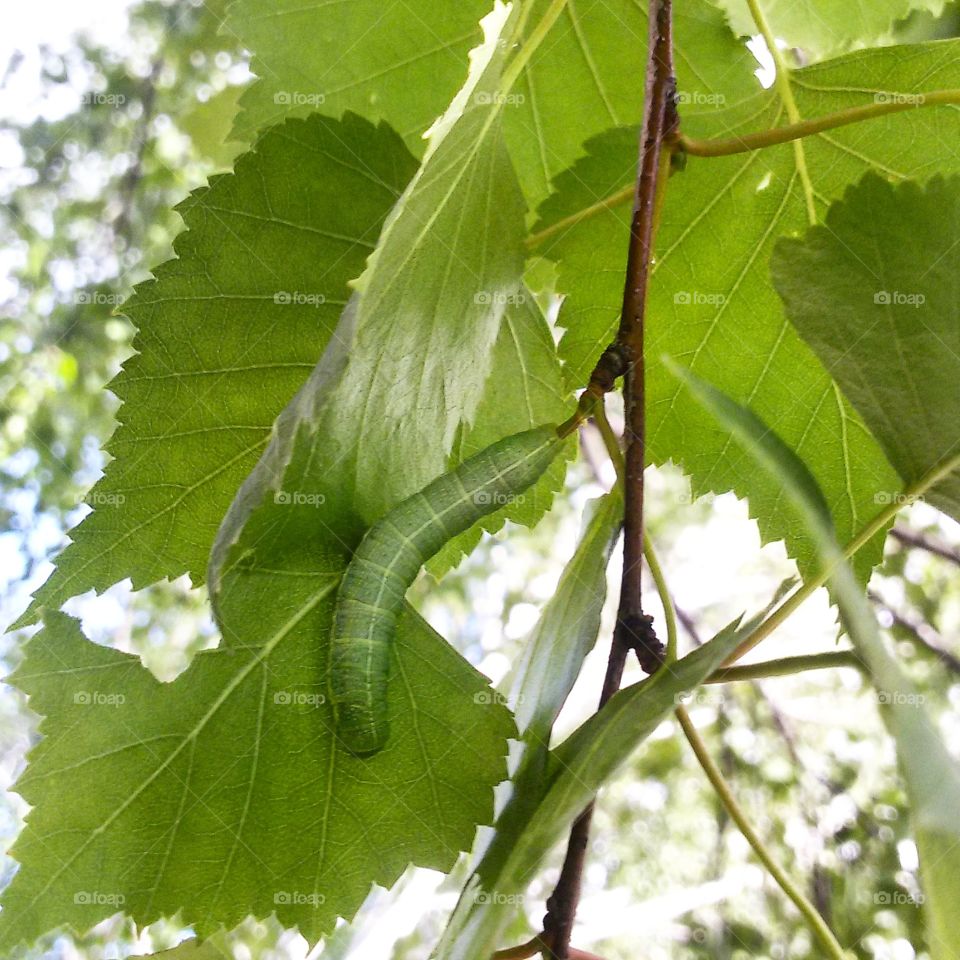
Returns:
<point x="388" y="559"/>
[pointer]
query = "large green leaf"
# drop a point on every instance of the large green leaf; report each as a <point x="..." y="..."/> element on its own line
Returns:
<point x="224" y="793"/>
<point x="449" y="262"/>
<point x="874" y="293"/>
<point x="821" y="28"/>
<point x="712" y="304"/>
<point x="403" y="64"/>
<point x="228" y="332"/>
<point x="932" y="775"/>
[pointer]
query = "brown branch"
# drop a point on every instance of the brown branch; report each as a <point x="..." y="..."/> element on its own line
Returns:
<point x="916" y="631"/>
<point x="910" y="538"/>
<point x="626" y="357"/>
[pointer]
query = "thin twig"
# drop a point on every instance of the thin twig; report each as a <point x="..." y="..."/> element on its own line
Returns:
<point x="659" y="125"/>
<point x="722" y="789"/>
<point x="786" y="666"/>
<point x="916" y="631"/>
<point x="816" y="922"/>
<point x="748" y="142"/>
<point x="911" y="538"/>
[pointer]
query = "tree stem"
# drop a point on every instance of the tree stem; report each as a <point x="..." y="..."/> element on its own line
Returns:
<point x="659" y="125"/>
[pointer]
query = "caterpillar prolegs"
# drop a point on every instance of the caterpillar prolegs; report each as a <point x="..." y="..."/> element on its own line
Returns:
<point x="388" y="559"/>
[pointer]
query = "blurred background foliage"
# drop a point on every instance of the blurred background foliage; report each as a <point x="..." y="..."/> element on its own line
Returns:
<point x="108" y="117"/>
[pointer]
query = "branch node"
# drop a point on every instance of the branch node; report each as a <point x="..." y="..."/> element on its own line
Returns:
<point x="635" y="632"/>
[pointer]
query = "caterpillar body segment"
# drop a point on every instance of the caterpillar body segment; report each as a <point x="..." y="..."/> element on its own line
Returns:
<point x="388" y="559"/>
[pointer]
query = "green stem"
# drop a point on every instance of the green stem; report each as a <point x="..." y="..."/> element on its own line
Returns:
<point x="866" y="534"/>
<point x="609" y="440"/>
<point x="537" y="35"/>
<point x="785" y="91"/>
<point x="816" y="922"/>
<point x="608" y="203"/>
<point x="727" y="146"/>
<point x="786" y="666"/>
<point x="669" y="613"/>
